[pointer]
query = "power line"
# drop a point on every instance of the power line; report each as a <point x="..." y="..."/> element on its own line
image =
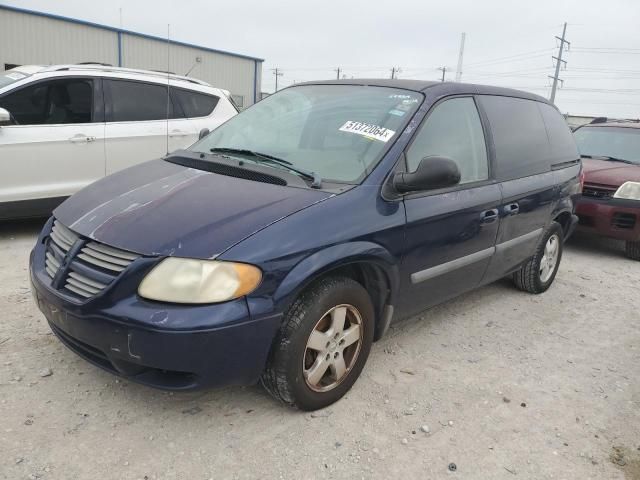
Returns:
<point x="559" y="62"/>
<point x="460" y="55"/>
<point x="277" y="73"/>
<point x="444" y="71"/>
<point x="517" y="56"/>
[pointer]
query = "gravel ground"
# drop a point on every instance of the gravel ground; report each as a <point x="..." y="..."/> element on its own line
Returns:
<point x="506" y="385"/>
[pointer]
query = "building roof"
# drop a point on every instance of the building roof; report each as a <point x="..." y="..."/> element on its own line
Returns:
<point x="128" y="32"/>
<point x="616" y="123"/>
<point x="442" y="87"/>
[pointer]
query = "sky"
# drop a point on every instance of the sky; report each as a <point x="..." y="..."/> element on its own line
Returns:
<point x="508" y="43"/>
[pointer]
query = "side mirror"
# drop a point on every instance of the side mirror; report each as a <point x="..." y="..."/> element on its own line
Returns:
<point x="432" y="172"/>
<point x="203" y="133"/>
<point x="5" y="117"/>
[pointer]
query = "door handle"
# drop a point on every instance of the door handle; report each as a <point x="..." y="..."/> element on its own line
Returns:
<point x="80" y="138"/>
<point x="489" y="216"/>
<point x="512" y="209"/>
<point x="178" y="133"/>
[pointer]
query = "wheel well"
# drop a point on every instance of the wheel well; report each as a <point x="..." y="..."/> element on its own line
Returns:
<point x="373" y="279"/>
<point x="564" y="219"/>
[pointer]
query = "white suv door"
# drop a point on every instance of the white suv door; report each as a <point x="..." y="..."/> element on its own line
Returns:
<point x="56" y="145"/>
<point x="144" y="121"/>
<point x="136" y="122"/>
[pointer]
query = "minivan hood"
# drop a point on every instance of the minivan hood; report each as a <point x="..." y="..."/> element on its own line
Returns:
<point x="160" y="208"/>
<point x="605" y="172"/>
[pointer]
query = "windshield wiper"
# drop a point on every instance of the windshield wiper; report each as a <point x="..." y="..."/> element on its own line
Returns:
<point x="607" y="157"/>
<point x="316" y="180"/>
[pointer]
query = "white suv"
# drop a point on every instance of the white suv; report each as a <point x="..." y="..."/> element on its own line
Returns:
<point x="65" y="126"/>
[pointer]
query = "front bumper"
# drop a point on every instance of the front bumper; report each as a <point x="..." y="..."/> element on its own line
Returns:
<point x="615" y="218"/>
<point x="175" y="347"/>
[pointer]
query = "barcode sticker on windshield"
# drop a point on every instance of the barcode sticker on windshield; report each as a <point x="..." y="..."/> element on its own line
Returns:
<point x="368" y="130"/>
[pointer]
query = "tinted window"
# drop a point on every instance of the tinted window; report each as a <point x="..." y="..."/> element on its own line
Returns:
<point x="562" y="145"/>
<point x="617" y="142"/>
<point x="453" y="130"/>
<point x="195" y="104"/>
<point x="519" y="135"/>
<point x="55" y="102"/>
<point x="138" y="101"/>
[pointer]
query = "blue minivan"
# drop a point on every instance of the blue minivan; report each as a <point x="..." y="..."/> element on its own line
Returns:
<point x="281" y="245"/>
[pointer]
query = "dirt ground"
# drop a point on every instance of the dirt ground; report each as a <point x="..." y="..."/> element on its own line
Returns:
<point x="507" y="385"/>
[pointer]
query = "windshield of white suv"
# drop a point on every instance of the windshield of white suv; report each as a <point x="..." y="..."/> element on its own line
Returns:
<point x="621" y="143"/>
<point x="337" y="132"/>
<point x="10" y="76"/>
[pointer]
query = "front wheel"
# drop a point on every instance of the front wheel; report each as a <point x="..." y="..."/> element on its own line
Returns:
<point x="632" y="250"/>
<point x="322" y="345"/>
<point x="537" y="275"/>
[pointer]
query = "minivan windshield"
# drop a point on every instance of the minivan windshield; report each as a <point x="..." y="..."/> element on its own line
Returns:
<point x="616" y="142"/>
<point x="338" y="132"/>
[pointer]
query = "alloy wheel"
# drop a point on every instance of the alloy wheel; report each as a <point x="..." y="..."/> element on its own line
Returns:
<point x="332" y="348"/>
<point x="549" y="258"/>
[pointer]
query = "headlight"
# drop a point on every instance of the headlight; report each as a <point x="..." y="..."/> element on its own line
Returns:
<point x="629" y="191"/>
<point x="184" y="280"/>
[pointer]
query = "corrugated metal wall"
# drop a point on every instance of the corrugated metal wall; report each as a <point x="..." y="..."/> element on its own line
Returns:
<point x="43" y="41"/>
<point x="224" y="71"/>
<point x="33" y="39"/>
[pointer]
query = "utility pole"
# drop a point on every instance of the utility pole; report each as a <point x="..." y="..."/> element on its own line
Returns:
<point x="394" y="71"/>
<point x="443" y="70"/>
<point x="559" y="62"/>
<point x="277" y="73"/>
<point x="459" y="68"/>
<point x="338" y="70"/>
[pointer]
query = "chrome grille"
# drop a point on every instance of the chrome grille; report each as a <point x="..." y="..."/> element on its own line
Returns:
<point x="61" y="241"/>
<point x="106" y="257"/>
<point x="91" y="270"/>
<point x="595" y="191"/>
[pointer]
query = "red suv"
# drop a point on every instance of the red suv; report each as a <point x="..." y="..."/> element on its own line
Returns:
<point x="610" y="201"/>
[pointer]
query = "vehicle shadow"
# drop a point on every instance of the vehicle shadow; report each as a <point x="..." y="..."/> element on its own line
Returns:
<point x="595" y="244"/>
<point x="26" y="228"/>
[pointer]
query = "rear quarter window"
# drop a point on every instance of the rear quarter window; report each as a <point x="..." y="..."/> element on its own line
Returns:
<point x="561" y="142"/>
<point x="519" y="136"/>
<point x="195" y="104"/>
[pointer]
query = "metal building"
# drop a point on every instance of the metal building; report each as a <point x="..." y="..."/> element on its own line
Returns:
<point x="29" y="37"/>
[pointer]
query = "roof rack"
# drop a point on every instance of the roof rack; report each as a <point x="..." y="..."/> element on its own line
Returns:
<point x="95" y="63"/>
<point x="109" y="68"/>
<point x="599" y="120"/>
<point x="614" y="120"/>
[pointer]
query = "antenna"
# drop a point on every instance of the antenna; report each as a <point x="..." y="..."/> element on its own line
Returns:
<point x="168" y="94"/>
<point x="195" y="64"/>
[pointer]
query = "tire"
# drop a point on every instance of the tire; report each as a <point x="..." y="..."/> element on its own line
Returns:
<point x="632" y="250"/>
<point x="533" y="277"/>
<point x="293" y="352"/>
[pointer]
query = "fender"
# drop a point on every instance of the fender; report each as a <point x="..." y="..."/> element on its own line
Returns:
<point x="336" y="256"/>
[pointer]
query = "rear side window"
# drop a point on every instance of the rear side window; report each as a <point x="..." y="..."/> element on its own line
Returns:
<point x="53" y="102"/>
<point x="139" y="101"/>
<point x="453" y="130"/>
<point x="195" y="104"/>
<point x="562" y="144"/>
<point x="519" y="135"/>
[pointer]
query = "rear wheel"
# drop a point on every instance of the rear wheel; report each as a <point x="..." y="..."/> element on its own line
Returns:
<point x="632" y="250"/>
<point x="537" y="275"/>
<point x="322" y="345"/>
